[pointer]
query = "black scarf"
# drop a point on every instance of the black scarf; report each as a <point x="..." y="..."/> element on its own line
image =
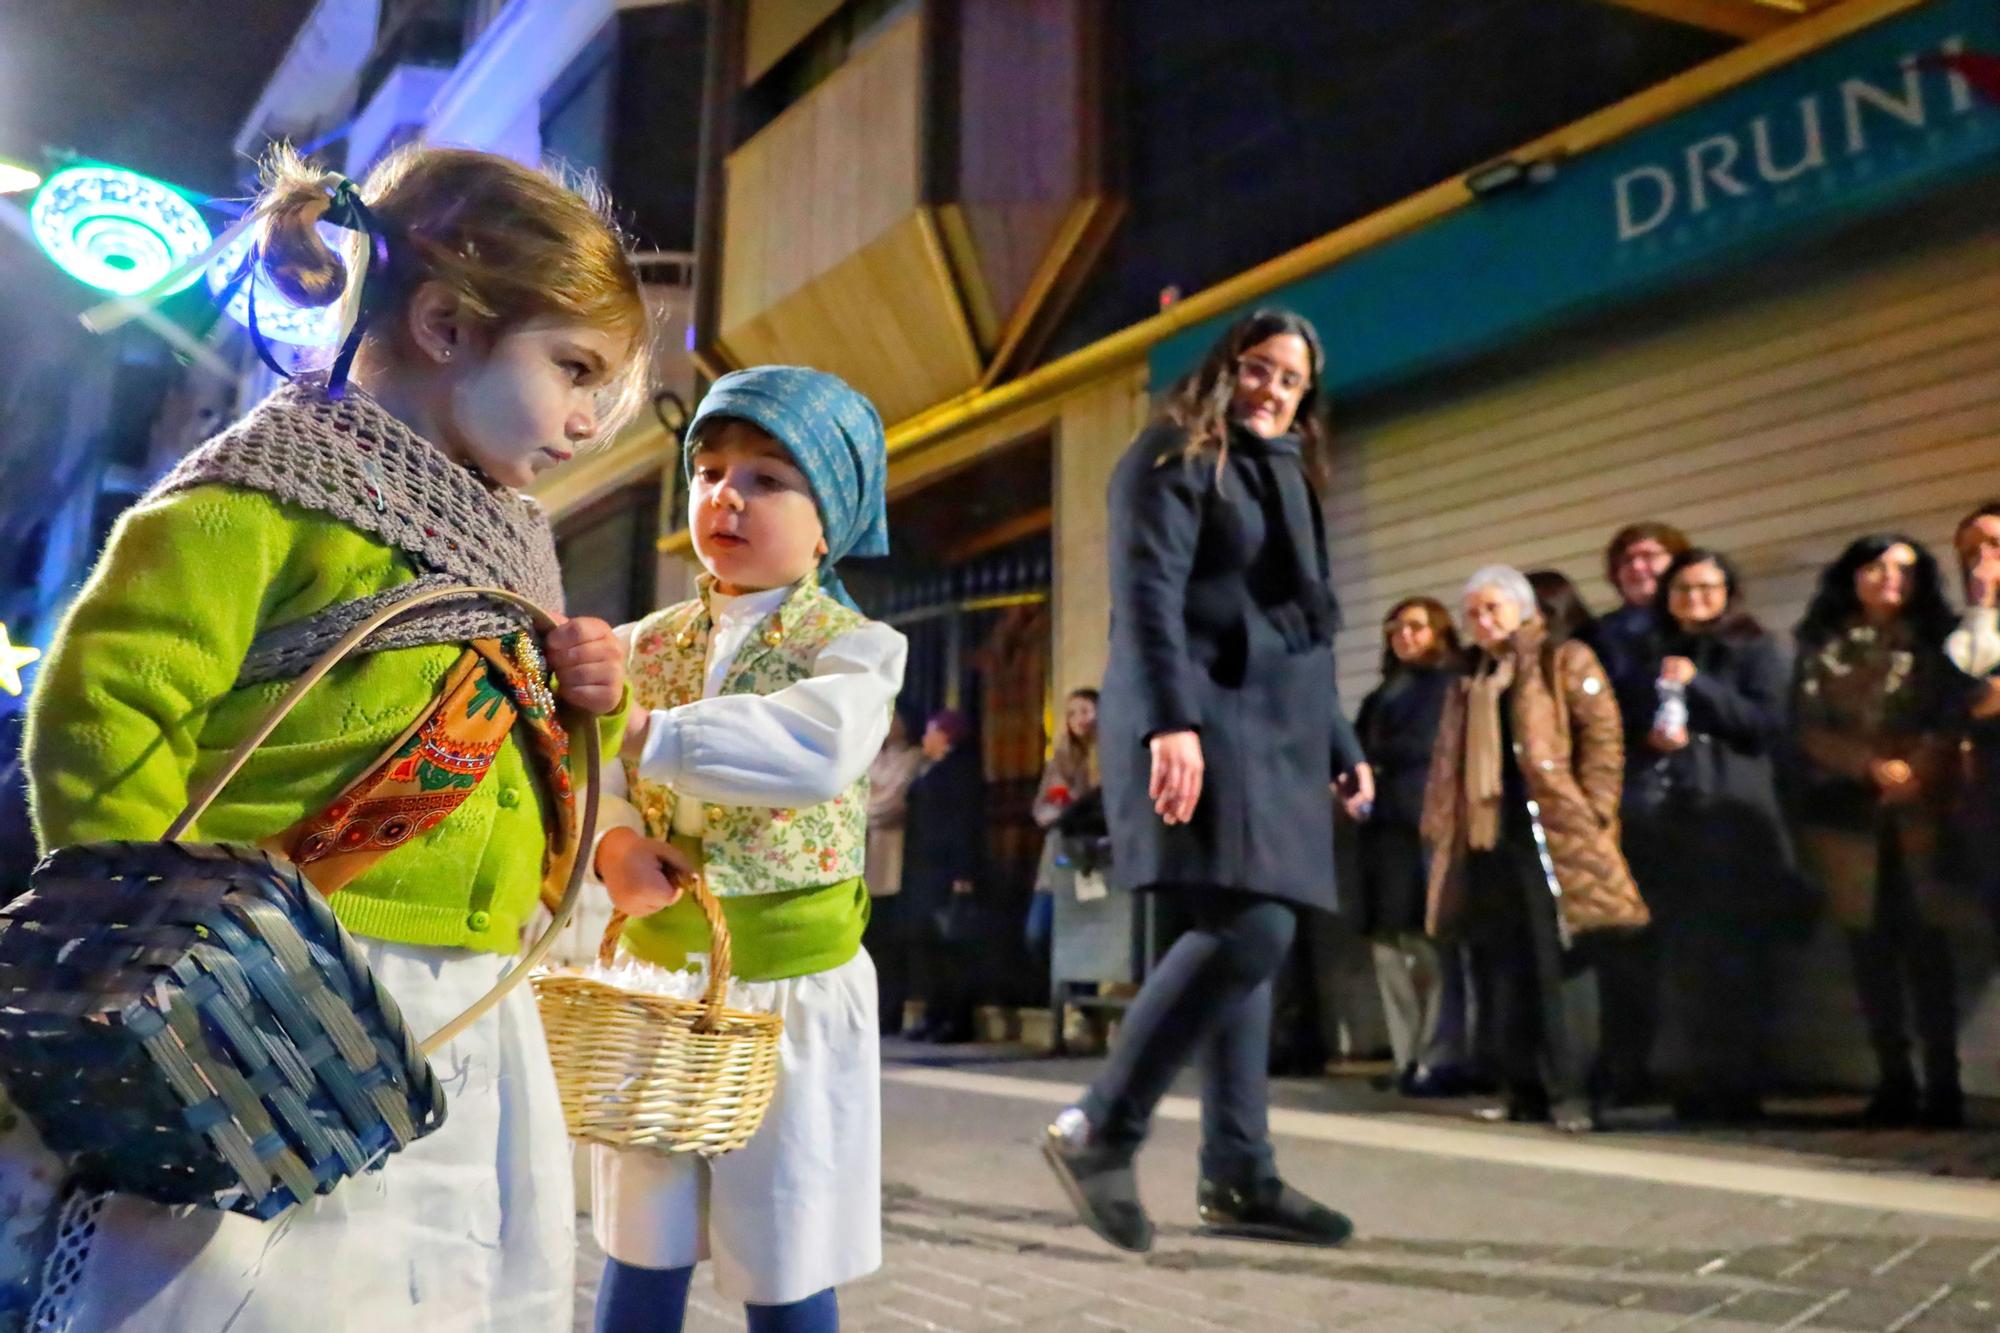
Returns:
<point x="1304" y="612"/>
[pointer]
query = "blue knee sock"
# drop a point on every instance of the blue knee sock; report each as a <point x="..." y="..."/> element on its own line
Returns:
<point x="818" y="1313"/>
<point x="644" y="1300"/>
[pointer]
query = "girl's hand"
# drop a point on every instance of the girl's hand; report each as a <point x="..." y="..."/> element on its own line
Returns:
<point x="589" y="665"/>
<point x="1677" y="670"/>
<point x="1177" y="772"/>
<point x="643" y="875"/>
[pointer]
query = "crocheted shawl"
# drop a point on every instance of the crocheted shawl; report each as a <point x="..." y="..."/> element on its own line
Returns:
<point x="355" y="462"/>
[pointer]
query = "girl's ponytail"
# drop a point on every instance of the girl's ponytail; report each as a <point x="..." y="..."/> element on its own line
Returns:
<point x="301" y="265"/>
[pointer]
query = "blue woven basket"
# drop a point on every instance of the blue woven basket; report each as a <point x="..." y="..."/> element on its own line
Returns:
<point x="190" y="1023"/>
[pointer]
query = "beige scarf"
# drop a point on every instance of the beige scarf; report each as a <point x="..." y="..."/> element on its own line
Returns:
<point x="1485" y="784"/>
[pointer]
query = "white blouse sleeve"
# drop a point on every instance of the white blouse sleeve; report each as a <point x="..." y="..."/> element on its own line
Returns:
<point x="1974" y="647"/>
<point x="801" y="746"/>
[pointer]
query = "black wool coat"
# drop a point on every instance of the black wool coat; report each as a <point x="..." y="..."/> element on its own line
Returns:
<point x="945" y="830"/>
<point x="1711" y="840"/>
<point x="1221" y="623"/>
<point x="1398" y="726"/>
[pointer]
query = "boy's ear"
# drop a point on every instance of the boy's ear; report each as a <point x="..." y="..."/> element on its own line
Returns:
<point x="438" y="323"/>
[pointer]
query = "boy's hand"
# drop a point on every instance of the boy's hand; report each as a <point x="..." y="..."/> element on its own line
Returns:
<point x="642" y="875"/>
<point x="588" y="663"/>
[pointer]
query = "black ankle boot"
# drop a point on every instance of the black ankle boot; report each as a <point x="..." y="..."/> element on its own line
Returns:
<point x="1944" y="1099"/>
<point x="1895" y="1103"/>
<point x="1269" y="1210"/>
<point x="1099" y="1182"/>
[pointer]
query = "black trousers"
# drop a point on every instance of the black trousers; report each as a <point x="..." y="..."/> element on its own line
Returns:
<point x="1210" y="996"/>
<point x="1543" y="997"/>
<point x="1901" y="949"/>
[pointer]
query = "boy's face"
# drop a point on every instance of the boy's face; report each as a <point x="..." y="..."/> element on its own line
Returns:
<point x="751" y="511"/>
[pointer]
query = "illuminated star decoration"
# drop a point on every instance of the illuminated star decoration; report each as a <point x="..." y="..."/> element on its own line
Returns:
<point x="12" y="659"/>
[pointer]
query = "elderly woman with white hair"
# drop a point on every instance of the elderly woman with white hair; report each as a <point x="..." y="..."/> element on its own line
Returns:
<point x="1521" y="822"/>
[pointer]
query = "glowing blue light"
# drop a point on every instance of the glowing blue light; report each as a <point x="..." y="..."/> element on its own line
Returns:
<point x="114" y="229"/>
<point x="277" y="318"/>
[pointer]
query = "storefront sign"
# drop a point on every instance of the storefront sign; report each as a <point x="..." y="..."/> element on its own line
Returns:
<point x="1876" y="118"/>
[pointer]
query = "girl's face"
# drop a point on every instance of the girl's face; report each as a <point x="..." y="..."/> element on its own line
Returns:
<point x="520" y="404"/>
<point x="751" y="511"/>
<point x="1492" y="617"/>
<point x="1080" y="716"/>
<point x="1698" y="594"/>
<point x="1271" y="379"/>
<point x="1412" y="637"/>
<point x="1884" y="584"/>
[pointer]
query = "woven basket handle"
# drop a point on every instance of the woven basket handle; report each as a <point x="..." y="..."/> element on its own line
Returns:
<point x="717" y="989"/>
<point x="204" y="796"/>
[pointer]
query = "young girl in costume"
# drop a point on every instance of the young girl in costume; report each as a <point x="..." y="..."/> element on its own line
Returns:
<point x="765" y="698"/>
<point x="500" y="329"/>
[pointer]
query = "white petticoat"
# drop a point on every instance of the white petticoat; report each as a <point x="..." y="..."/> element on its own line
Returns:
<point x="798" y="1208"/>
<point x="470" y="1229"/>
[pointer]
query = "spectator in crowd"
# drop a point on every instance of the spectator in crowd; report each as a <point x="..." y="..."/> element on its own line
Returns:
<point x="1704" y="831"/>
<point x="887" y="935"/>
<point x="1877" y="707"/>
<point x="1521" y="822"/>
<point x="942" y="860"/>
<point x="1974" y="647"/>
<point x="1423" y="981"/>
<point x="1069" y="784"/>
<point x="1628" y="964"/>
<point x="1562" y="606"/>
<point x="1635" y="560"/>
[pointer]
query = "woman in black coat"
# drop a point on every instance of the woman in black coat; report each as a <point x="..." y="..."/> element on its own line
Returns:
<point x="942" y="858"/>
<point x="1423" y="981"/>
<point x="1705" y="831"/>
<point x="1220" y="733"/>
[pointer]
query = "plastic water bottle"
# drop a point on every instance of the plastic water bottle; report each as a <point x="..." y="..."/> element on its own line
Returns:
<point x="1671" y="718"/>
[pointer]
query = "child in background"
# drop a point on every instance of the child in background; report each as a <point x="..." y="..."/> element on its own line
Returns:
<point x="764" y="700"/>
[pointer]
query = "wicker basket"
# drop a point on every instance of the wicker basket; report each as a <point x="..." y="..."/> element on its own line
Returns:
<point x="191" y="1024"/>
<point x="655" y="1071"/>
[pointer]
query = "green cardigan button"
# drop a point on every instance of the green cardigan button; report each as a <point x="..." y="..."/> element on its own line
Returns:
<point x="509" y="797"/>
<point x="480" y="920"/>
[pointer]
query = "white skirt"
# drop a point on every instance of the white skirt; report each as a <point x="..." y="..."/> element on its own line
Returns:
<point x="470" y="1229"/>
<point x="796" y="1210"/>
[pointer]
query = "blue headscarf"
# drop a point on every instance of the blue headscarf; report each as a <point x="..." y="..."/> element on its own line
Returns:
<point x="835" y="437"/>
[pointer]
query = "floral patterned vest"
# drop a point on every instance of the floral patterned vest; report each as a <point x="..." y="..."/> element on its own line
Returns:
<point x="751" y="849"/>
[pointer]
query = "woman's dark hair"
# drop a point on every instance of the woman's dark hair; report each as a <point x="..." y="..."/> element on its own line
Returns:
<point x="1440" y="617"/>
<point x="1562" y="607"/>
<point x="1836" y="604"/>
<point x="1084" y="692"/>
<point x="1199" y="401"/>
<point x="1734" y="622"/>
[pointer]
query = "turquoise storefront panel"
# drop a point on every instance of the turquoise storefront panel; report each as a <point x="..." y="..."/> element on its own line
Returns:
<point x="1854" y="127"/>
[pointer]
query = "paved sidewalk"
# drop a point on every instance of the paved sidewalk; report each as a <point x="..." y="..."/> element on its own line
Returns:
<point x="978" y="1237"/>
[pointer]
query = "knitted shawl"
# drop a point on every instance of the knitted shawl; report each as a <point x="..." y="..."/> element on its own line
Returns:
<point x="353" y="461"/>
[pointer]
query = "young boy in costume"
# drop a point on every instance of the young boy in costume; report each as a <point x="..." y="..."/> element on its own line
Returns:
<point x="758" y="707"/>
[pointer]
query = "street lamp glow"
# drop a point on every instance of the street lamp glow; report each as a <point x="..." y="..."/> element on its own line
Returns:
<point x="277" y="318"/>
<point x="15" y="178"/>
<point x="116" y="230"/>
